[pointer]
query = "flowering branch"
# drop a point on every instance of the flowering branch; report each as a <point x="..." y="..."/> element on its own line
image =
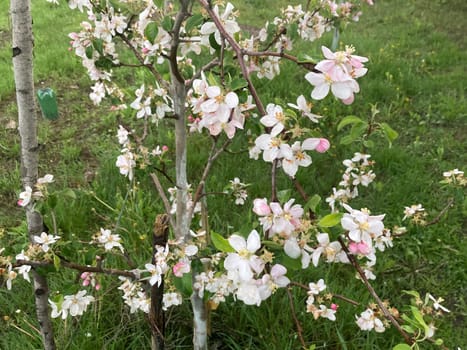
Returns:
<point x="375" y="296"/>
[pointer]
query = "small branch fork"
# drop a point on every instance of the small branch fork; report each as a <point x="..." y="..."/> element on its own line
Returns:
<point x="375" y="296"/>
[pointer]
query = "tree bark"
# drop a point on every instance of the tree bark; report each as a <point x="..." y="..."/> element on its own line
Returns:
<point x="22" y="44"/>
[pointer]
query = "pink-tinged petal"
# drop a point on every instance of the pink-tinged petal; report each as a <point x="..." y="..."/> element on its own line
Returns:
<point x="276" y="208"/>
<point x="261" y="207"/>
<point x="262" y="141"/>
<point x="316" y="255"/>
<point x="292" y="249"/>
<point x="213" y="91"/>
<point x="237" y="242"/>
<point x="229" y="130"/>
<point x="215" y="129"/>
<point x="278" y="270"/>
<point x="325" y="66"/>
<point x="256" y="264"/>
<point x="270" y="154"/>
<point x="342" y="90"/>
<point x="310" y="144"/>
<point x="209" y="106"/>
<point x="305" y="260"/>
<point x="290" y="167"/>
<point x="268" y="121"/>
<point x="231" y="99"/>
<point x="253" y="242"/>
<point x="277" y="129"/>
<point x="286" y="151"/>
<point x="349" y="101"/>
<point x="315" y="78"/>
<point x="320" y="91"/>
<point x="328" y="53"/>
<point x="323" y="145"/>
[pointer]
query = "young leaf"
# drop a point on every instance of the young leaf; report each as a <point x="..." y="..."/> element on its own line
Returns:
<point x="193" y="22"/>
<point x="313" y="203"/>
<point x="238" y="83"/>
<point x="330" y="220"/>
<point x="389" y="132"/>
<point x="221" y="243"/>
<point x="350" y="119"/>
<point x="151" y="31"/>
<point x="402" y="346"/>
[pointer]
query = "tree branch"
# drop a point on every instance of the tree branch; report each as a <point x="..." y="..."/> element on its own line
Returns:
<point x="375" y="296"/>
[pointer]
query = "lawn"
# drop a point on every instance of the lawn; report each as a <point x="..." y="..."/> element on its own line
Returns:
<point x="417" y="54"/>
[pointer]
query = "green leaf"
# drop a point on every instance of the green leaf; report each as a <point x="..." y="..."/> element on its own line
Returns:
<point x="221" y="243"/>
<point x="88" y="51"/>
<point x="408" y="329"/>
<point x="193" y="21"/>
<point x="312" y="203"/>
<point x="212" y="80"/>
<point x="214" y="44"/>
<point x="52" y="201"/>
<point x="368" y="143"/>
<point x="412" y="293"/>
<point x="402" y="346"/>
<point x="151" y="31"/>
<point x="304" y="58"/>
<point x="69" y="193"/>
<point x="56" y="262"/>
<point x="184" y="284"/>
<point x="350" y="119"/>
<point x="389" y="132"/>
<point x="312" y="347"/>
<point x="330" y="220"/>
<point x="284" y="195"/>
<point x="238" y="83"/>
<point x="167" y="23"/>
<point x="358" y="129"/>
<point x="98" y="44"/>
<point x="288" y="262"/>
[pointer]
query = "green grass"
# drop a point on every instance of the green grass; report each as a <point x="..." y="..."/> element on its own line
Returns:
<point x="416" y="78"/>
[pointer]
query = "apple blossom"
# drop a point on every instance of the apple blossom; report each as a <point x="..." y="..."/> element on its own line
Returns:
<point x="368" y="321"/>
<point x="76" y="304"/>
<point x="126" y="162"/>
<point x="305" y="108"/>
<point x="109" y="240"/>
<point x="44" y="240"/>
<point x="244" y="263"/>
<point x="361" y="225"/>
<point x="23" y="269"/>
<point x="171" y="299"/>
<point x="228" y="22"/>
<point x="436" y="303"/>
<point x="25" y="197"/>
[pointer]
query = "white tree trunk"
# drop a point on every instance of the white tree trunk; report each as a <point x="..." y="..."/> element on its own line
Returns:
<point x="23" y="72"/>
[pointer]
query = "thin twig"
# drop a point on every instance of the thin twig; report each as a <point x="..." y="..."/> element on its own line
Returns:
<point x="294" y="316"/>
<point x="442" y="212"/>
<point x="206" y="67"/>
<point x="375" y="296"/>
<point x="213" y="155"/>
<point x="164" y="198"/>
<point x="74" y="266"/>
<point x="338" y="296"/>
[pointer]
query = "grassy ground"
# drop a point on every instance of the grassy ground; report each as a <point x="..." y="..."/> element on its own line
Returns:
<point x="416" y="77"/>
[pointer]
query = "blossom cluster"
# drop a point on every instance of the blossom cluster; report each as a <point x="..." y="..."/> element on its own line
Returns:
<point x="358" y="172"/>
<point x="74" y="305"/>
<point x="416" y="213"/>
<point x="38" y="191"/>
<point x="338" y="74"/>
<point x="366" y="233"/>
<point x="238" y="190"/>
<point x="216" y="110"/>
<point x="314" y="289"/>
<point x="273" y="144"/>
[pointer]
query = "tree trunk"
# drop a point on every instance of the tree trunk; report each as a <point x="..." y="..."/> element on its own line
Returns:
<point x="23" y="72"/>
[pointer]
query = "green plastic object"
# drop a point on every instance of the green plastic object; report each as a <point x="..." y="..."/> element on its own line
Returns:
<point x="48" y="103"/>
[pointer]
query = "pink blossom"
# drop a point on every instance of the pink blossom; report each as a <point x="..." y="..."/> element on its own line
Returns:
<point x="359" y="248"/>
<point x="181" y="268"/>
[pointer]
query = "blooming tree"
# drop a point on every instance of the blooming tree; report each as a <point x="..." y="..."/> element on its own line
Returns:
<point x="200" y="67"/>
